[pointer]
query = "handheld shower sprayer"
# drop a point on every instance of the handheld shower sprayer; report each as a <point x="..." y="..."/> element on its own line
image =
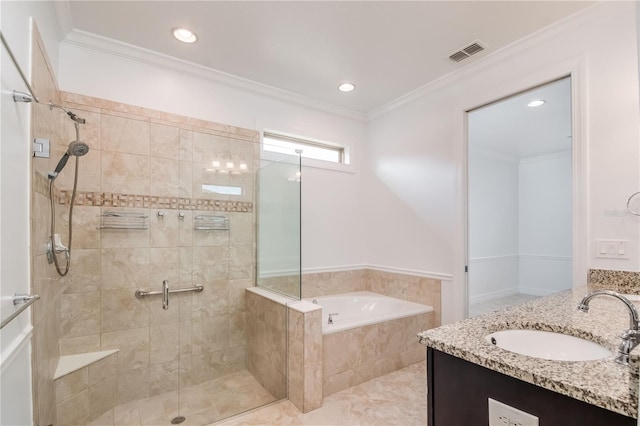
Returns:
<point x="55" y="246"/>
<point x="76" y="148"/>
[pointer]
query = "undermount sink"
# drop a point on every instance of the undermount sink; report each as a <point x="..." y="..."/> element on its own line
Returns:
<point x="547" y="345"/>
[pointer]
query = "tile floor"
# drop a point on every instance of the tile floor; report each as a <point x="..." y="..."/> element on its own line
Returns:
<point x="200" y="404"/>
<point x="397" y="398"/>
<point x="500" y="303"/>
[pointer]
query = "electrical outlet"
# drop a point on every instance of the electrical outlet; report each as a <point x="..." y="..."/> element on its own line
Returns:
<point x="504" y="415"/>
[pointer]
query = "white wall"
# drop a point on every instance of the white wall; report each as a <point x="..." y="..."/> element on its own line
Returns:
<point x="493" y="224"/>
<point x="520" y="224"/>
<point x="332" y="231"/>
<point x="15" y="150"/>
<point x="416" y="150"/>
<point x="545" y="224"/>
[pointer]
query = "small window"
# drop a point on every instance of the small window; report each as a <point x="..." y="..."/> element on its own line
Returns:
<point x="308" y="149"/>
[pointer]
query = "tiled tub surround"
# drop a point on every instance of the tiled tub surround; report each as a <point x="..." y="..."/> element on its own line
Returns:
<point x="360" y="354"/>
<point x="354" y="356"/>
<point x="322" y="364"/>
<point x="602" y="383"/>
<point x="146" y="162"/>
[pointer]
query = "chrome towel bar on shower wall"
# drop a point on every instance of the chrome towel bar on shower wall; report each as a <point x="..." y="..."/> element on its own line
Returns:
<point x="23" y="299"/>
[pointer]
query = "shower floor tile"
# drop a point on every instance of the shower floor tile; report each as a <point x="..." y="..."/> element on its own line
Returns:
<point x="397" y="398"/>
<point x="200" y="404"/>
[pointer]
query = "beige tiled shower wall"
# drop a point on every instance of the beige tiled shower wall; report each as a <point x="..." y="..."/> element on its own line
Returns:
<point x="87" y="393"/>
<point x="44" y="280"/>
<point x="266" y="325"/>
<point x="412" y="288"/>
<point x="161" y="166"/>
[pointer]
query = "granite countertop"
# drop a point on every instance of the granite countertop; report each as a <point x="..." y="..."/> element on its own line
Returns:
<point x="603" y="383"/>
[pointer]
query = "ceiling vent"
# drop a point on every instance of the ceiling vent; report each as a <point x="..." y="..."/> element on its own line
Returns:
<point x="462" y="54"/>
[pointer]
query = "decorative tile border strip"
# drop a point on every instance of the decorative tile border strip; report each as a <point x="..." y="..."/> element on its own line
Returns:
<point x="110" y="199"/>
<point x="623" y="281"/>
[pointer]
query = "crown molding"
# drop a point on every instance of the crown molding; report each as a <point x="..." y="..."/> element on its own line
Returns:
<point x="592" y="14"/>
<point x="85" y="40"/>
<point x="104" y="45"/>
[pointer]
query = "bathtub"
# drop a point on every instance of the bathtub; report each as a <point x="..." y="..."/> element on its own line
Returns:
<point x="363" y="308"/>
<point x="372" y="335"/>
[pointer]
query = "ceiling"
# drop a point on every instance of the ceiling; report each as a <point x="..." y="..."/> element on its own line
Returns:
<point x="387" y="49"/>
<point x="510" y="128"/>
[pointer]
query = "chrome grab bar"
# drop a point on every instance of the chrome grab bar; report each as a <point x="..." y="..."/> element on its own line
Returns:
<point x="20" y="299"/>
<point x="140" y="293"/>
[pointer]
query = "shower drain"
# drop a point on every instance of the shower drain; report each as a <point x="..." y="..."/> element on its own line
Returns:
<point x="177" y="420"/>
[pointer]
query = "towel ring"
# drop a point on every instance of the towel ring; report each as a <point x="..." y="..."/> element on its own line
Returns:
<point x="637" y="213"/>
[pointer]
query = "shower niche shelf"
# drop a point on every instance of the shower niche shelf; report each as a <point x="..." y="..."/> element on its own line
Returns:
<point x="210" y="223"/>
<point x="124" y="220"/>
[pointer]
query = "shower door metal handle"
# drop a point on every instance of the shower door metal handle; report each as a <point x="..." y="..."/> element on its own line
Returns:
<point x="165" y="295"/>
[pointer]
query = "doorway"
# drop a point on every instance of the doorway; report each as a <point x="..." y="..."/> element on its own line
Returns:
<point x="519" y="170"/>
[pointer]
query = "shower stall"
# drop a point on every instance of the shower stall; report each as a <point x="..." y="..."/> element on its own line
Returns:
<point x="150" y="323"/>
<point x="164" y="247"/>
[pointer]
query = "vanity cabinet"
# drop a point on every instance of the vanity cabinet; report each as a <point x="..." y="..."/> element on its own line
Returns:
<point x="458" y="393"/>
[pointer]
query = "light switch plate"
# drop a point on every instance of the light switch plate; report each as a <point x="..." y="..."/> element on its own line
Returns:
<point x="504" y="415"/>
<point x="613" y="249"/>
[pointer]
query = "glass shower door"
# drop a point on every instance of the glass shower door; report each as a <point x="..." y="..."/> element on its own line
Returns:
<point x="217" y="251"/>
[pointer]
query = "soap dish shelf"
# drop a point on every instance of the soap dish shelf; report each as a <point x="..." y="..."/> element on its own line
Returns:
<point x="124" y="220"/>
<point x="210" y="223"/>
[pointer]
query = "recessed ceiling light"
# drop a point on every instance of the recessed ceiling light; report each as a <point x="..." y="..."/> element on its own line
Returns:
<point x="184" y="35"/>
<point x="346" y="87"/>
<point x="535" y="103"/>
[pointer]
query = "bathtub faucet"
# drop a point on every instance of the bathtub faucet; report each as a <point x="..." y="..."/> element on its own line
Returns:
<point x="330" y="321"/>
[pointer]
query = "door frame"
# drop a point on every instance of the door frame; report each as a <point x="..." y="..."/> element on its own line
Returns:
<point x="576" y="70"/>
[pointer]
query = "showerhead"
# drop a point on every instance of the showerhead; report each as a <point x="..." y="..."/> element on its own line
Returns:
<point x="77" y="149"/>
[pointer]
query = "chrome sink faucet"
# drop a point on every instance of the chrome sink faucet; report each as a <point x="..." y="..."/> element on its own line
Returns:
<point x="631" y="337"/>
